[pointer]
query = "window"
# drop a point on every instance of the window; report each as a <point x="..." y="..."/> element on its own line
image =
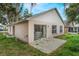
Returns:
<point x="39" y="31"/>
<point x="54" y="29"/>
<point x="75" y="29"/>
<point x="70" y="29"/>
<point x="61" y="29"/>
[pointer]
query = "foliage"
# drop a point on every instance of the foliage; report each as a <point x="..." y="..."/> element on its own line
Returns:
<point x="11" y="46"/>
<point x="71" y="48"/>
<point x="6" y="9"/>
<point x="26" y="14"/>
<point x="12" y="10"/>
<point x="72" y="12"/>
<point x="74" y="48"/>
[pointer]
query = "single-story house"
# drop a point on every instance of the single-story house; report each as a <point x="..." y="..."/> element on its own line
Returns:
<point x="2" y="27"/>
<point x="72" y="27"/>
<point x="44" y="25"/>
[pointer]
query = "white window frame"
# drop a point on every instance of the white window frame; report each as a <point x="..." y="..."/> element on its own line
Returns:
<point x="54" y="29"/>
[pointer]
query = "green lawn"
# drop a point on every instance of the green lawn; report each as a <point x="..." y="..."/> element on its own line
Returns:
<point x="11" y="46"/>
<point x="71" y="48"/>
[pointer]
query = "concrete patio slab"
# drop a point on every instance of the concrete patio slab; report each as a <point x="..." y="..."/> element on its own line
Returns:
<point x="48" y="46"/>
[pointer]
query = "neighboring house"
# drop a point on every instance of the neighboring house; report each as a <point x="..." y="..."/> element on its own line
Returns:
<point x="72" y="27"/>
<point x="44" y="25"/>
<point x="2" y="27"/>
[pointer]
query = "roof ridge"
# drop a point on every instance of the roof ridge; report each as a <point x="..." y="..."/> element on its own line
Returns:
<point x="44" y="12"/>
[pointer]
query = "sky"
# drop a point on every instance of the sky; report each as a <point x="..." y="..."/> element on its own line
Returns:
<point x="46" y="6"/>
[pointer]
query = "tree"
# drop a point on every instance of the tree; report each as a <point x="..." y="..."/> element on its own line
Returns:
<point x="12" y="11"/>
<point x="72" y="12"/>
<point x="31" y="6"/>
<point x="26" y="14"/>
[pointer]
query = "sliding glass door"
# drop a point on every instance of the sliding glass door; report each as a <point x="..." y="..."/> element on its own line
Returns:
<point x="39" y="31"/>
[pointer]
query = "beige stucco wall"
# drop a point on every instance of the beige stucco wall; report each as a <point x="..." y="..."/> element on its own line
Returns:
<point x="10" y="30"/>
<point x="25" y="30"/>
<point x="21" y="31"/>
<point x="48" y="19"/>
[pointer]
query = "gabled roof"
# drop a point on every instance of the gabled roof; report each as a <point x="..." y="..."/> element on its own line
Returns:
<point x="39" y="15"/>
<point x="49" y="11"/>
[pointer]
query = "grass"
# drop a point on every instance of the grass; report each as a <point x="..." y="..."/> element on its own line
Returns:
<point x="9" y="46"/>
<point x="71" y="48"/>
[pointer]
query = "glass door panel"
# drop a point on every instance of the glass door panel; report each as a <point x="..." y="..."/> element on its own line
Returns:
<point x="39" y="31"/>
